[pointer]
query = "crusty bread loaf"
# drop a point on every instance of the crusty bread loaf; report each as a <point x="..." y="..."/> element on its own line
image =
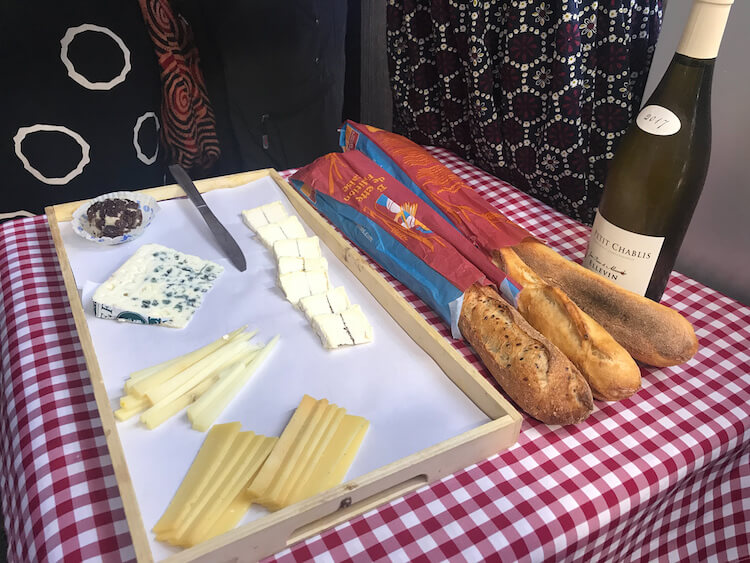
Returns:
<point x="650" y="332"/>
<point x="529" y="368"/>
<point x="608" y="368"/>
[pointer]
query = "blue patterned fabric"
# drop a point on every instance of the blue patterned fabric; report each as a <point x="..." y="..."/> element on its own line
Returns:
<point x="536" y="92"/>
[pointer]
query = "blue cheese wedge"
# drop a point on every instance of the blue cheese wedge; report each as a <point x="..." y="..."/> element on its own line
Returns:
<point x="263" y="215"/>
<point x="347" y="328"/>
<point x="332" y="301"/>
<point x="288" y="264"/>
<point x="290" y="227"/>
<point x="297" y="285"/>
<point x="157" y="286"/>
<point x="308" y="247"/>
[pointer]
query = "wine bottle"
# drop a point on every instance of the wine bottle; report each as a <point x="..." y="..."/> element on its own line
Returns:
<point x="657" y="174"/>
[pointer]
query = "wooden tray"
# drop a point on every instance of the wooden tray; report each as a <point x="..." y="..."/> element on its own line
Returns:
<point x="276" y="531"/>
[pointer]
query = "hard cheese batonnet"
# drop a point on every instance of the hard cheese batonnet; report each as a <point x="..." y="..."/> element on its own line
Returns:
<point x="204" y="382"/>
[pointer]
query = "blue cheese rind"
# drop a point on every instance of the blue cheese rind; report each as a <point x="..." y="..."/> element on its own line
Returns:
<point x="156" y="285"/>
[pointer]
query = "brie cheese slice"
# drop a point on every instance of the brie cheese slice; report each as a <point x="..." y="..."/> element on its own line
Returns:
<point x="297" y="285"/>
<point x="288" y="228"/>
<point x="263" y="215"/>
<point x="307" y="247"/>
<point x="332" y="301"/>
<point x="289" y="264"/>
<point x="347" y="328"/>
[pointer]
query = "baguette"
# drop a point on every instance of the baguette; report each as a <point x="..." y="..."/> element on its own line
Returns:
<point x="529" y="368"/>
<point x="609" y="370"/>
<point x="650" y="332"/>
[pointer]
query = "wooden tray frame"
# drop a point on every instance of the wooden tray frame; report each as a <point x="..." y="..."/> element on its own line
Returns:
<point x="278" y="530"/>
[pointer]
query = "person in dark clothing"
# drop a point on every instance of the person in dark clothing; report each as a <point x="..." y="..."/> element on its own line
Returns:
<point x="275" y="75"/>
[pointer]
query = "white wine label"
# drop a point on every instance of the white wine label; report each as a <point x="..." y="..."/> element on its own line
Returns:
<point x="658" y="120"/>
<point x="626" y="258"/>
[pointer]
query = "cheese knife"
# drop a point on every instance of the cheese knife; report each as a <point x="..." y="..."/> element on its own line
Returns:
<point x="225" y="240"/>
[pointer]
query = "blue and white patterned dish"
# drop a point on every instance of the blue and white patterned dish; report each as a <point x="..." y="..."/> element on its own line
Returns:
<point x="147" y="204"/>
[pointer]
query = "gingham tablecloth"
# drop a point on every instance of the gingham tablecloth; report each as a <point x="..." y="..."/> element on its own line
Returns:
<point x="663" y="475"/>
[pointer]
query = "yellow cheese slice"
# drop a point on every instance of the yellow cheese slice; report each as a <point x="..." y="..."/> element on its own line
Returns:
<point x="330" y="466"/>
<point x="230" y="464"/>
<point x="218" y="441"/>
<point x="314" y="451"/>
<point x="206" y="514"/>
<point x="357" y="431"/>
<point x="232" y="515"/>
<point x="309" y="444"/>
<point x="296" y="453"/>
<point x="317" y="446"/>
<point x="275" y="461"/>
<point x="224" y="511"/>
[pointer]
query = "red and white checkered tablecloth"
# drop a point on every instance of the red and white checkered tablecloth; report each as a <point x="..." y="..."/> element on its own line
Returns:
<point x="663" y="475"/>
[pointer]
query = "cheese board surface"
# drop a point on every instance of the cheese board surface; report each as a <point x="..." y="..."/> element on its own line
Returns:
<point x="391" y="381"/>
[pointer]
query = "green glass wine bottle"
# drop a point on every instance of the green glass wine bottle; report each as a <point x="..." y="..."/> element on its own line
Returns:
<point x="657" y="174"/>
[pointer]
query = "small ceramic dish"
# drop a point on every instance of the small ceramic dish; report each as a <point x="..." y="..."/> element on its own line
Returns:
<point x="83" y="227"/>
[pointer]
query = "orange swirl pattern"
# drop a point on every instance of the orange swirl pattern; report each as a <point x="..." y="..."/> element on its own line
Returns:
<point x="188" y="122"/>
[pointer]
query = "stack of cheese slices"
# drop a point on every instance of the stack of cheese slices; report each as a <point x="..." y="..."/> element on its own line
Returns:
<point x="303" y="276"/>
<point x="235" y="469"/>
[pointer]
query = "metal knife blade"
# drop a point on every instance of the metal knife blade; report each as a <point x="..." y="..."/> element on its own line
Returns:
<point x="225" y="240"/>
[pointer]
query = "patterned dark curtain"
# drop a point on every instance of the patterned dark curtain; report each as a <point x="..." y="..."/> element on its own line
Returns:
<point x="536" y="92"/>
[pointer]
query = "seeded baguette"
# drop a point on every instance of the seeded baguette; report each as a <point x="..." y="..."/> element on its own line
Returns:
<point x="650" y="332"/>
<point x="530" y="369"/>
<point x="608" y="368"/>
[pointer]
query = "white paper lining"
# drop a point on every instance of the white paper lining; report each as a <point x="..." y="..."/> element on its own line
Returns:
<point x="409" y="401"/>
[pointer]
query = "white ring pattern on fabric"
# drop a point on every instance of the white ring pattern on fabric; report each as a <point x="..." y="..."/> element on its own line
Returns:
<point x="16" y="214"/>
<point x="142" y="157"/>
<point x="78" y="77"/>
<point x="22" y="134"/>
